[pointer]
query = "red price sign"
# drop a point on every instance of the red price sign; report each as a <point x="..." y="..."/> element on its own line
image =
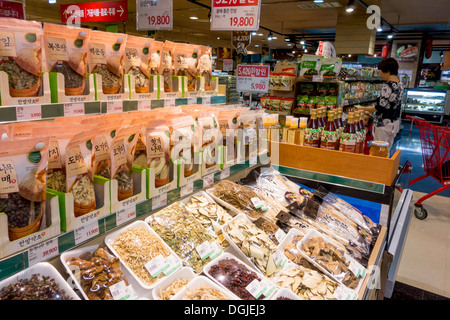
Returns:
<point x="154" y="14"/>
<point x="235" y="15"/>
<point x="252" y="78"/>
<point x="95" y="11"/>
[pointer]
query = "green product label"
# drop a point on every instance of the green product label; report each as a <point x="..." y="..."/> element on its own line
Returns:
<point x="145" y="51"/>
<point x="31" y="37"/>
<point x="78" y="43"/>
<point x="34" y="157"/>
<point x="309" y="64"/>
<point x="116" y="46"/>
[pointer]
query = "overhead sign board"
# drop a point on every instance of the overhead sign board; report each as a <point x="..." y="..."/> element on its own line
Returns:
<point x="154" y="14"/>
<point x="254" y="78"/>
<point x="12" y="9"/>
<point x="239" y="15"/>
<point x="95" y="11"/>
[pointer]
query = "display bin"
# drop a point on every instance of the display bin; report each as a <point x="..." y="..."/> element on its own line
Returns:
<point x="197" y="172"/>
<point x="50" y="227"/>
<point x="58" y="93"/>
<point x="152" y="190"/>
<point x="152" y="93"/>
<point x="102" y="202"/>
<point x="42" y="97"/>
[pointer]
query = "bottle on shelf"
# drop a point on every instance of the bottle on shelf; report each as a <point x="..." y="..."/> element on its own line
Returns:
<point x="337" y="126"/>
<point x="329" y="138"/>
<point x="302" y="124"/>
<point x="358" y="146"/>
<point x="348" y="137"/>
<point x="287" y="125"/>
<point x="293" y="132"/>
<point x="363" y="129"/>
<point x="275" y="130"/>
<point x="312" y="136"/>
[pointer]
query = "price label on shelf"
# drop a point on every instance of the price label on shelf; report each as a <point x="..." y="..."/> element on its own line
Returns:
<point x="144" y="105"/>
<point x="29" y="112"/>
<point x="154" y="14"/>
<point x="206" y="100"/>
<point x="317" y="78"/>
<point x="126" y="214"/>
<point x="73" y="109"/>
<point x="225" y="173"/>
<point x="43" y="251"/>
<point x="187" y="189"/>
<point x="208" y="180"/>
<point x="235" y="15"/>
<point x="169" y="102"/>
<point x="159" y="201"/>
<point x="252" y="78"/>
<point x="114" y="106"/>
<point x="86" y="232"/>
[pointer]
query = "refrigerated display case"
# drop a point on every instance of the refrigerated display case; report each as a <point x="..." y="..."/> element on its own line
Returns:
<point x="425" y="103"/>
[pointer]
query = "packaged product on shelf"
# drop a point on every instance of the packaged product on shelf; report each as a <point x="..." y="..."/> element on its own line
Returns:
<point x="254" y="243"/>
<point x="166" y="65"/>
<point x="271" y="229"/>
<point x="66" y="51"/>
<point x="122" y="149"/>
<point x="263" y="102"/>
<point x="155" y="59"/>
<point x="210" y="137"/>
<point x="23" y="130"/>
<point x="185" y="63"/>
<point x="286" y="104"/>
<point x="98" y="272"/>
<point x="158" y="151"/>
<point x="211" y="215"/>
<point x="137" y="57"/>
<point x="330" y="67"/>
<point x="249" y="133"/>
<point x="228" y="123"/>
<point x="205" y="66"/>
<point x="300" y="107"/>
<point x="330" y="102"/>
<point x="21" y="56"/>
<point x="329" y="136"/>
<point x="275" y="103"/>
<point x="106" y="58"/>
<point x="312" y="131"/>
<point x="310" y="65"/>
<point x="181" y="231"/>
<point x="322" y="88"/>
<point x="79" y="175"/>
<point x="237" y="197"/>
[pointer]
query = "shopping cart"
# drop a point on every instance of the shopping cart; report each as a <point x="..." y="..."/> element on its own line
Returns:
<point x="435" y="143"/>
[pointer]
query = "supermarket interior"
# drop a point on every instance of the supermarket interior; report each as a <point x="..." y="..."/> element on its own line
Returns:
<point x="253" y="150"/>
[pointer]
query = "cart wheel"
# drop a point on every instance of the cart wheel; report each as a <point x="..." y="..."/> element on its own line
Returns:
<point x="420" y="213"/>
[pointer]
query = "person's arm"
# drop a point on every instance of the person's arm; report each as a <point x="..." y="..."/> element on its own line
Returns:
<point x="371" y="109"/>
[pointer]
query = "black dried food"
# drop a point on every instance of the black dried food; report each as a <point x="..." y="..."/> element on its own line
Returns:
<point x="71" y="78"/>
<point x="20" y="211"/>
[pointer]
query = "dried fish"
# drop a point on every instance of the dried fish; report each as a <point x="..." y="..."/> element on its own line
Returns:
<point x="173" y="289"/>
<point x="205" y="293"/>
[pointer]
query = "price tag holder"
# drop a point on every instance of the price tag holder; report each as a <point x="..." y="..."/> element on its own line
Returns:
<point x="169" y="102"/>
<point x="120" y="291"/>
<point x="208" y="180"/>
<point x="114" y="106"/>
<point x="73" y="109"/>
<point x="240" y="15"/>
<point x="255" y="288"/>
<point x="154" y="15"/>
<point x="159" y="201"/>
<point x="86" y="232"/>
<point x="43" y="251"/>
<point x="204" y="250"/>
<point x="144" y="105"/>
<point x="29" y="112"/>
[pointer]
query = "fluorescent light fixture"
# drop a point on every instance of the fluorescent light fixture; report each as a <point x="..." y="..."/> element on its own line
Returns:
<point x="287" y="39"/>
<point x="289" y="44"/>
<point x="193" y="18"/>
<point x="260" y="34"/>
<point x="256" y="45"/>
<point x="51" y="1"/>
<point x="253" y="33"/>
<point x="274" y="38"/>
<point x="318" y="1"/>
<point x="350" y="6"/>
<point x="379" y="29"/>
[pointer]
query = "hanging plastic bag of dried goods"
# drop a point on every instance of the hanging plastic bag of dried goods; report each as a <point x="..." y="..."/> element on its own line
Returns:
<point x="166" y="65"/>
<point x="106" y="54"/>
<point x="59" y="138"/>
<point x="185" y="63"/>
<point x="205" y="66"/>
<point x="122" y="151"/>
<point x="137" y="58"/>
<point x="155" y="59"/>
<point x="66" y="52"/>
<point x="158" y="151"/>
<point x="23" y="166"/>
<point x="21" y="56"/>
<point x="228" y="125"/>
<point x="210" y="137"/>
<point x="79" y="176"/>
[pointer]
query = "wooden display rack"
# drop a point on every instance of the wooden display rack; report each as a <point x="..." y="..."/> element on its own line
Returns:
<point x="337" y="163"/>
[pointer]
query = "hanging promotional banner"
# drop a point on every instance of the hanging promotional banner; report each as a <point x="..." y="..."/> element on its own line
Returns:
<point x="239" y="15"/>
<point x="154" y="14"/>
<point x="254" y="78"/>
<point x="240" y="40"/>
<point x="12" y="9"/>
<point x="95" y="11"/>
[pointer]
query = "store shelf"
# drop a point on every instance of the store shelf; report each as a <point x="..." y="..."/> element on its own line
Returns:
<point x="51" y="249"/>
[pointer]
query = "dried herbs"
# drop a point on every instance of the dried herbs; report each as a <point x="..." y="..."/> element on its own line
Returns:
<point x="34" y="288"/>
<point x="173" y="289"/>
<point x="18" y="77"/>
<point x="137" y="58"/>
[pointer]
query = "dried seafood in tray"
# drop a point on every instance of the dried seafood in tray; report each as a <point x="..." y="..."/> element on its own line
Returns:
<point x="184" y="234"/>
<point x="202" y="288"/>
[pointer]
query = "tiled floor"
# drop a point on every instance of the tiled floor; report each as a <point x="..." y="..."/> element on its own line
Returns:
<point x="424" y="271"/>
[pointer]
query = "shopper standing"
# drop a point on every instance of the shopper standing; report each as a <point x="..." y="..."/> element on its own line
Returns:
<point x="389" y="103"/>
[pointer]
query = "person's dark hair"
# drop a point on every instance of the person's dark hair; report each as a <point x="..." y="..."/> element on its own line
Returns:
<point x="389" y="65"/>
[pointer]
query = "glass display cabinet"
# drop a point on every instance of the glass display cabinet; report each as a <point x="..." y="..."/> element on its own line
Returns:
<point x="425" y="103"/>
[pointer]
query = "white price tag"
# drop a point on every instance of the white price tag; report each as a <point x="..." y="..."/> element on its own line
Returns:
<point x="235" y="15"/>
<point x="192" y="100"/>
<point x="208" y="180"/>
<point x="206" y="101"/>
<point x="144" y="105"/>
<point x="114" y="106"/>
<point x="187" y="189"/>
<point x="86" y="232"/>
<point x="357" y="269"/>
<point x="43" y="251"/>
<point x="120" y="291"/>
<point x="279" y="258"/>
<point x="317" y="78"/>
<point x="216" y="250"/>
<point x="268" y="287"/>
<point x="126" y="214"/>
<point x="203" y="250"/>
<point x="29" y="112"/>
<point x="279" y="235"/>
<point x="172" y="265"/>
<point x="252" y="78"/>
<point x="169" y="102"/>
<point x="255" y="288"/>
<point x="73" y="109"/>
<point x="159" y="201"/>
<point x="225" y="173"/>
<point x="156" y="265"/>
<point x="154" y="15"/>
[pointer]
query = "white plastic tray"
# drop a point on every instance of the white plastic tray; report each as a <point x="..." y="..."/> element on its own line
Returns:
<point x="44" y="269"/>
<point x="184" y="273"/>
<point x="202" y="281"/>
<point x="284" y="292"/>
<point x="138" y="289"/>
<point x="110" y="239"/>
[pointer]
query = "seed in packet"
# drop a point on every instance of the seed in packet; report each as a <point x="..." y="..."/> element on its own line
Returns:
<point x="158" y="151"/>
<point x="122" y="154"/>
<point x="205" y="66"/>
<point x="23" y="166"/>
<point x="66" y="52"/>
<point x="79" y="176"/>
<point x="137" y="59"/>
<point x="106" y="55"/>
<point x="21" y="56"/>
<point x="166" y="66"/>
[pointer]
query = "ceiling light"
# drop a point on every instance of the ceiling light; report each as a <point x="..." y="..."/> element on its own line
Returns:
<point x="274" y="38"/>
<point x="51" y="1"/>
<point x="260" y="34"/>
<point x="270" y="36"/>
<point x="218" y="38"/>
<point x="306" y="50"/>
<point x="318" y="1"/>
<point x="256" y="45"/>
<point x="375" y="55"/>
<point x="193" y="18"/>
<point x="350" y="6"/>
<point x="302" y="41"/>
<point x="390" y="36"/>
<point x="287" y="39"/>
<point x="253" y="33"/>
<point x="289" y="44"/>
